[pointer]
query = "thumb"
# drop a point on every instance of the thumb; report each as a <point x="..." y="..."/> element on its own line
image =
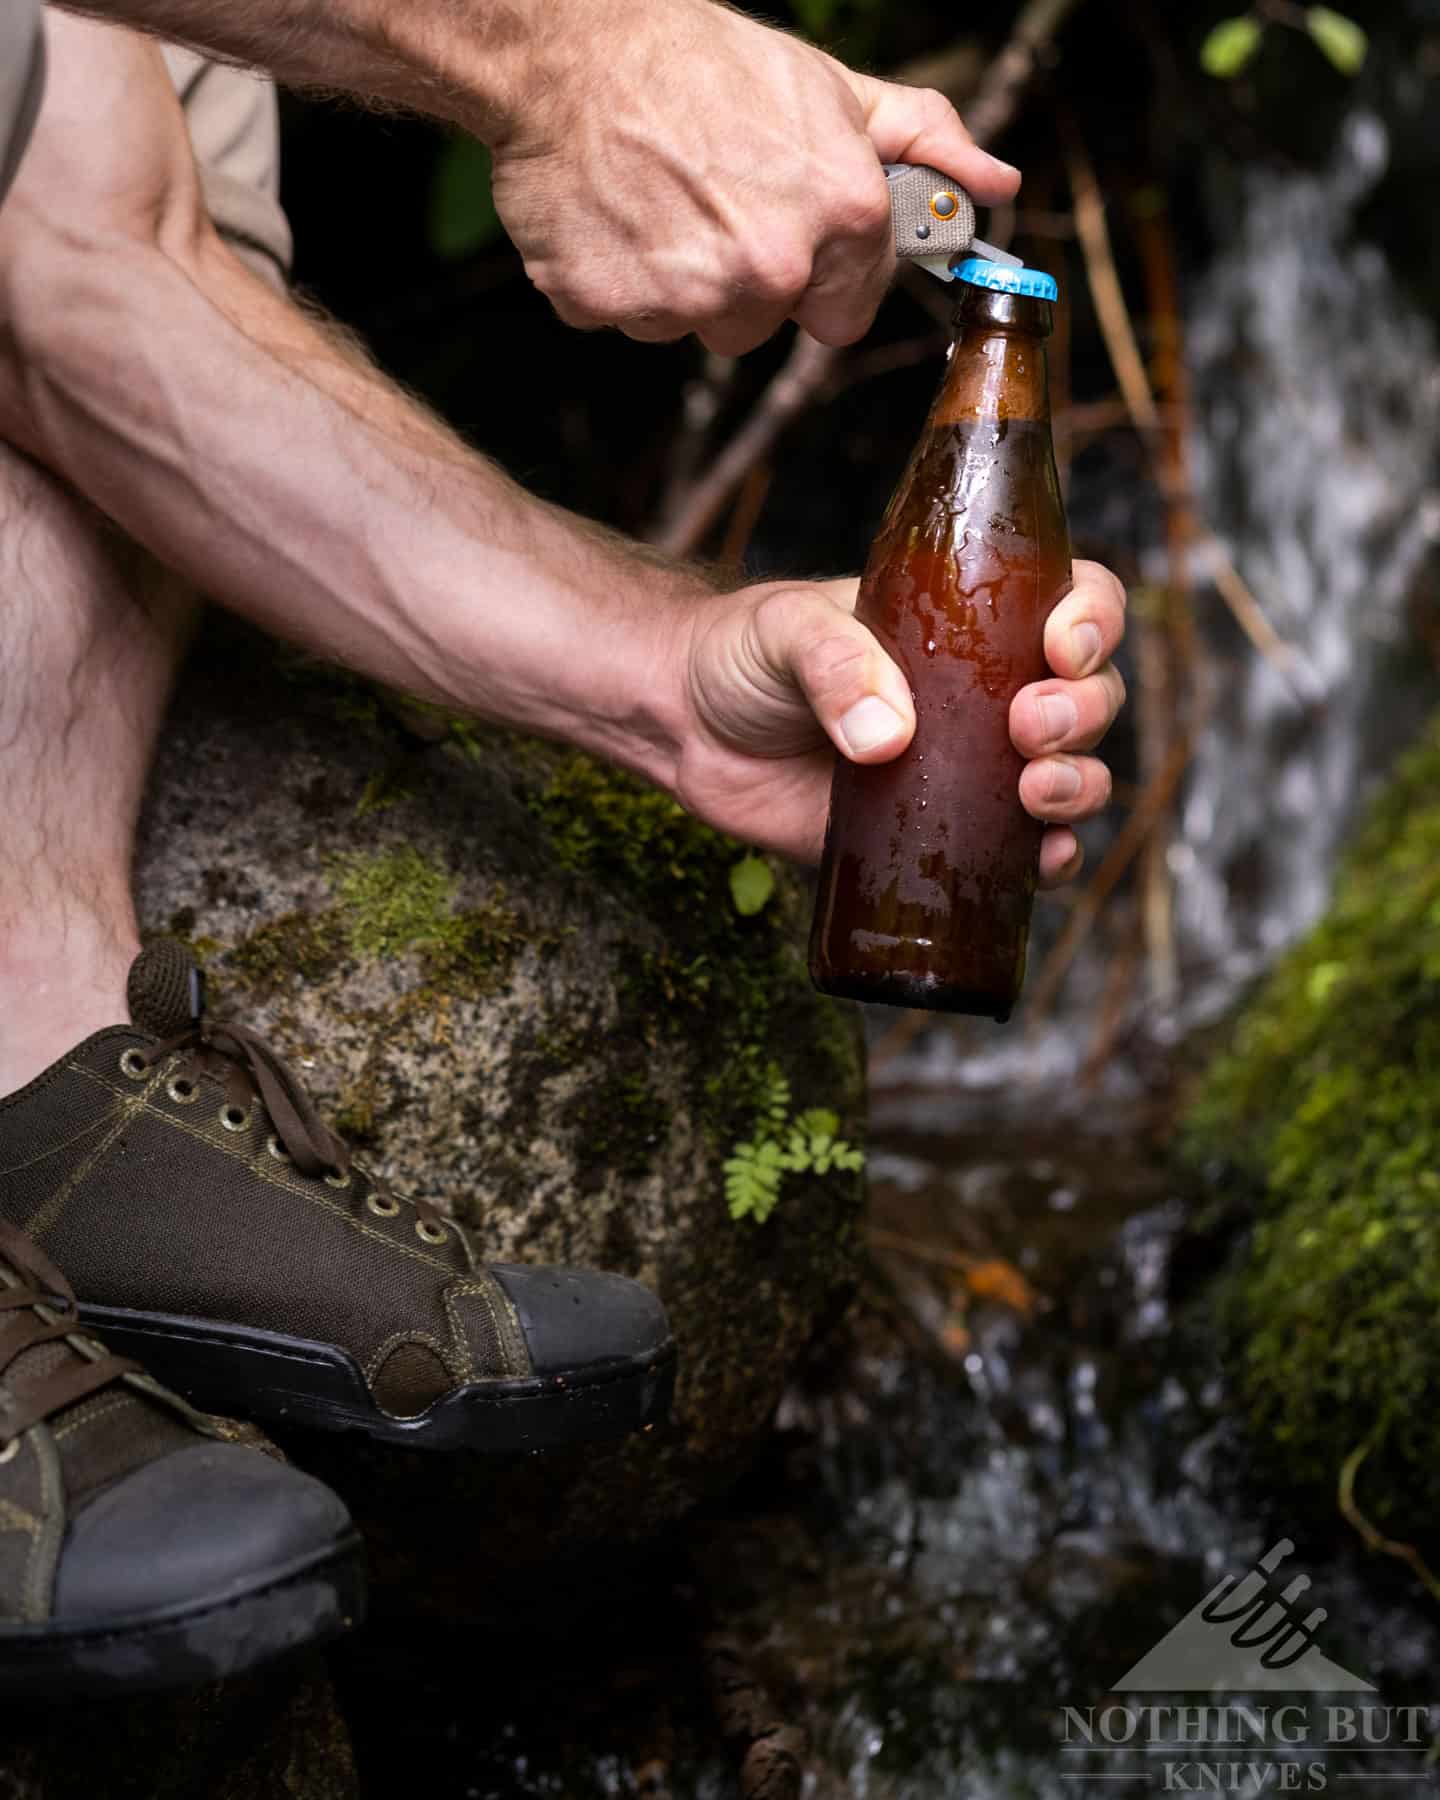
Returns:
<point x="919" y="125"/>
<point x="807" y="637"/>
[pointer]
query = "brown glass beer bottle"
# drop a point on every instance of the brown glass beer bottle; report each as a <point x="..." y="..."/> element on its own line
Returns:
<point x="930" y="861"/>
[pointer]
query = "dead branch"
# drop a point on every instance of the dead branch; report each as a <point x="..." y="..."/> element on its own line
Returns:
<point x="743" y="519"/>
<point x="1123" y="348"/>
<point x="1122" y="852"/>
<point x="1103" y="277"/>
<point x="700" y="405"/>
<point x="1374" y="1538"/>
<point x="802" y="379"/>
<point x="1014" y="68"/>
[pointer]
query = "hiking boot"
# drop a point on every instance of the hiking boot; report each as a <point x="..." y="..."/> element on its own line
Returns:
<point x="215" y="1228"/>
<point x="139" y="1549"/>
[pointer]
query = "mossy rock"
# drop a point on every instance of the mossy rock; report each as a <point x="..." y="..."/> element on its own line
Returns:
<point x="1322" y="1120"/>
<point x="521" y="984"/>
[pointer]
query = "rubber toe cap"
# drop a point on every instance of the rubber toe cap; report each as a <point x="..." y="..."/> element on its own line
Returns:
<point x="202" y="1525"/>
<point x="579" y="1318"/>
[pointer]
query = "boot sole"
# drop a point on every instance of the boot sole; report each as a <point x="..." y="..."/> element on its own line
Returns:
<point x="281" y="1380"/>
<point x="307" y="1604"/>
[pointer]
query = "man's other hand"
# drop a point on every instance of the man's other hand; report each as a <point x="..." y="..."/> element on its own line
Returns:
<point x="778" y="674"/>
<point x="675" y="166"/>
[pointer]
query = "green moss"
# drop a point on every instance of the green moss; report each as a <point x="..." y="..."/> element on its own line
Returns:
<point x="601" y="822"/>
<point x="729" y="981"/>
<point x="400" y="902"/>
<point x="307" y="944"/>
<point x="1324" y="1118"/>
<point x="621" y="1123"/>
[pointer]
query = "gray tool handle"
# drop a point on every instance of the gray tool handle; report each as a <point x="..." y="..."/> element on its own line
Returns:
<point x="935" y="220"/>
<point x="933" y="215"/>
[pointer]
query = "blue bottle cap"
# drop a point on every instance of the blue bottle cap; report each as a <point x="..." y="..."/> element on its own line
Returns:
<point x="1034" y="283"/>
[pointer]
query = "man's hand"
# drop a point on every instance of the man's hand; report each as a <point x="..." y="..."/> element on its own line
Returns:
<point x="777" y="674"/>
<point x="675" y="166"/>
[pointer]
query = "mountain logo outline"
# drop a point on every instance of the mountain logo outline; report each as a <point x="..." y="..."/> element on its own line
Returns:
<point x="1245" y="1634"/>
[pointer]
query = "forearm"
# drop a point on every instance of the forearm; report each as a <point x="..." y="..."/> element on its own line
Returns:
<point x="232" y="437"/>
<point x="474" y="62"/>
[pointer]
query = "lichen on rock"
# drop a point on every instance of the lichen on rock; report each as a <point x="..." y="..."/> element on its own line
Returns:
<point x="1321" y="1121"/>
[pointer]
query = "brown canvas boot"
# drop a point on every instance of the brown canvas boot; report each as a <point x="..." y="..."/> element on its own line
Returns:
<point x="214" y="1227"/>
<point x="138" y="1549"/>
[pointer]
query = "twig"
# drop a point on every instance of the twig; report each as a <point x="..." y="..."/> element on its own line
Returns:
<point x="802" y="379"/>
<point x="1012" y="70"/>
<point x="1112" y="1010"/>
<point x="1105" y="290"/>
<point x="921" y="1252"/>
<point x="1374" y="1538"/>
<point x="1122" y="852"/>
<point x="1124" y="351"/>
<point x="899" y="1037"/>
<point x="741" y="528"/>
<point x="885" y="359"/>
<point x="703" y="398"/>
<point x="809" y="371"/>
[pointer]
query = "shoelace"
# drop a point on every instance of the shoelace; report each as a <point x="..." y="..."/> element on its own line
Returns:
<point x="249" y="1070"/>
<point x="29" y="1281"/>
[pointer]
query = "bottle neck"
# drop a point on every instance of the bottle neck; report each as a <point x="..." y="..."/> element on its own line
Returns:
<point x="997" y="366"/>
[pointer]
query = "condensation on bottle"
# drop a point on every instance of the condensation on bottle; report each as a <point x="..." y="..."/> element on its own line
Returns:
<point x="929" y="872"/>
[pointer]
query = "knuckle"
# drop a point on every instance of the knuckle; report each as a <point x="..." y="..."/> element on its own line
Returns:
<point x="778" y="272"/>
<point x="936" y="108"/>
<point x="861" y="210"/>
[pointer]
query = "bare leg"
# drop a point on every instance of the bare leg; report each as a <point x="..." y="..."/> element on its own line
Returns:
<point x="91" y="632"/>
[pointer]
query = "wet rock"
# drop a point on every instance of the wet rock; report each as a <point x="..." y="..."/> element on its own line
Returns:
<point x="520" y="983"/>
<point x="275" y="1736"/>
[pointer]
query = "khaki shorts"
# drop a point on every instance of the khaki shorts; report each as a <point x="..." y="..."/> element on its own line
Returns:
<point x="234" y="126"/>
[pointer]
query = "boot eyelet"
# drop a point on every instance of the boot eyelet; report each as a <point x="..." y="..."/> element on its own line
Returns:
<point x="10" y="1452"/>
<point x="383" y="1206"/>
<point x="133" y="1065"/>
<point x="430" y="1234"/>
<point x="275" y="1148"/>
<point x="182" y="1090"/>
<point x="338" y="1181"/>
<point x="234" y="1118"/>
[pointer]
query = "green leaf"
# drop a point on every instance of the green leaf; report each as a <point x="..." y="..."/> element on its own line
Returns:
<point x="1230" y="45"/>
<point x="463" y="218"/>
<point x="1342" y="40"/>
<point x="752" y="882"/>
<point x="819" y="1121"/>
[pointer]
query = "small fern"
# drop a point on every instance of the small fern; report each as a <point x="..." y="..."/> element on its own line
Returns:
<point x="805" y="1144"/>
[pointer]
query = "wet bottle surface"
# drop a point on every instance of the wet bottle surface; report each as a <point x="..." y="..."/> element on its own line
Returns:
<point x="930" y="864"/>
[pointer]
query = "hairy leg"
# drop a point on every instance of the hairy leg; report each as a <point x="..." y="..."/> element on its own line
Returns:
<point x="91" y="632"/>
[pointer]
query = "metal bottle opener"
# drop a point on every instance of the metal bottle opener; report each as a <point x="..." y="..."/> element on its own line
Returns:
<point x="935" y="221"/>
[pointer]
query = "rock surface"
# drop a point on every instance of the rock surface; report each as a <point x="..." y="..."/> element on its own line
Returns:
<point x="522" y="986"/>
<point x="1320" y="1127"/>
<point x="275" y="1736"/>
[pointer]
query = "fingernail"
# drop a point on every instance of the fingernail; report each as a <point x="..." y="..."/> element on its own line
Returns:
<point x="869" y="724"/>
<point x="1085" y="640"/>
<point x="1064" y="781"/>
<point x="1057" y="716"/>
